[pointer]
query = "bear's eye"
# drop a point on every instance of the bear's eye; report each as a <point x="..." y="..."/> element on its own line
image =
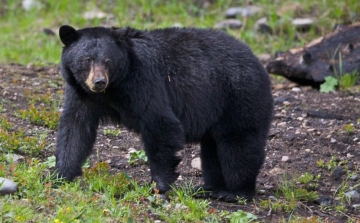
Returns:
<point x="87" y="61"/>
<point x="108" y="62"/>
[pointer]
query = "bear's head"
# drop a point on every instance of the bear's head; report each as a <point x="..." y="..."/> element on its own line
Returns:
<point x="93" y="58"/>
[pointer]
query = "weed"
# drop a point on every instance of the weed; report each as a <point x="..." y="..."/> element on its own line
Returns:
<point x="43" y="116"/>
<point x="320" y="163"/>
<point x="329" y="85"/>
<point x="331" y="164"/>
<point x="242" y="216"/>
<point x="340" y="79"/>
<point x="2" y="109"/>
<point x="20" y="143"/>
<point x="291" y="194"/>
<point x="101" y="180"/>
<point x="348" y="80"/>
<point x="137" y="156"/>
<point x="5" y="124"/>
<point x="112" y="132"/>
<point x="349" y="128"/>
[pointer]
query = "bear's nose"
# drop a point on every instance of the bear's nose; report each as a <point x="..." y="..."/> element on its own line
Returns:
<point x="100" y="83"/>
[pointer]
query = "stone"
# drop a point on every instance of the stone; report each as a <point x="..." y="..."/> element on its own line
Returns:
<point x="229" y="23"/>
<point x="13" y="158"/>
<point x="196" y="163"/>
<point x="332" y="140"/>
<point x="96" y="14"/>
<point x="352" y="194"/>
<point x="264" y="57"/>
<point x="272" y="197"/>
<point x="296" y="89"/>
<point x="276" y="171"/>
<point x="7" y="186"/>
<point x="303" y="23"/>
<point x="262" y="26"/>
<point x="324" y="201"/>
<point x="242" y="11"/>
<point x="338" y="173"/>
<point x="285" y="159"/>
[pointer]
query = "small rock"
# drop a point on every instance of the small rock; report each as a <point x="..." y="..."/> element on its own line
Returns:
<point x="276" y="171"/>
<point x="272" y="197"/>
<point x="350" y="166"/>
<point x="285" y="159"/>
<point x="196" y="163"/>
<point x="178" y="24"/>
<point x="268" y="187"/>
<point x="352" y="194"/>
<point x="354" y="177"/>
<point x="264" y="57"/>
<point x="229" y="23"/>
<point x="13" y="158"/>
<point x="261" y="191"/>
<point x="286" y="103"/>
<point x="296" y="89"/>
<point x="324" y="201"/>
<point x="30" y="4"/>
<point x="96" y="14"/>
<point x="7" y="186"/>
<point x="356" y="206"/>
<point x="131" y="150"/>
<point x="281" y="124"/>
<point x="302" y="23"/>
<point x="262" y="26"/>
<point x="349" y="155"/>
<point x="279" y="100"/>
<point x="332" y="140"/>
<point x="243" y="11"/>
<point x="338" y="172"/>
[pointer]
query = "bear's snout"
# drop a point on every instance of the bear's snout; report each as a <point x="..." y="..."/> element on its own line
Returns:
<point x="98" y="79"/>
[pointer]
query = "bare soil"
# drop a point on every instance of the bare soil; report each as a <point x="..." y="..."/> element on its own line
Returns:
<point x="308" y="126"/>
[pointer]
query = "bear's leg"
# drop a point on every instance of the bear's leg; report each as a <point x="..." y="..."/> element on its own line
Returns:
<point x="162" y="138"/>
<point x="241" y="154"/>
<point x="210" y="166"/>
<point x="75" y="139"/>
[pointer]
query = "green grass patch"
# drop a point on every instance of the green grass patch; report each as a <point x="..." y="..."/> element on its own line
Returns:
<point x="28" y="43"/>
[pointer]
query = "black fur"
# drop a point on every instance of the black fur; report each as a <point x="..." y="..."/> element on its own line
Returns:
<point x="173" y="86"/>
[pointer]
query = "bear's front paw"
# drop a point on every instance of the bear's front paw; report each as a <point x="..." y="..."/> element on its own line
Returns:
<point x="232" y="197"/>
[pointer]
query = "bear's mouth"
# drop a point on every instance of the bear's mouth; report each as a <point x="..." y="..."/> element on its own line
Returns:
<point x="98" y="79"/>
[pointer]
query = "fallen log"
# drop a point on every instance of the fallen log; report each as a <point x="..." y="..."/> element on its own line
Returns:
<point x="335" y="54"/>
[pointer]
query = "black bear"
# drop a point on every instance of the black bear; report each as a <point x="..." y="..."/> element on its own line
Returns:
<point x="173" y="86"/>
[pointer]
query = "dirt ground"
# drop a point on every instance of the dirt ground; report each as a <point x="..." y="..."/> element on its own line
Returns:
<point x="308" y="126"/>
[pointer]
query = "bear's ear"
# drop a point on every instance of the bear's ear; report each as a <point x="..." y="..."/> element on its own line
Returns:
<point x="68" y="35"/>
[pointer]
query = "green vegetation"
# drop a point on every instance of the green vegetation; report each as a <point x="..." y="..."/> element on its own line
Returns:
<point x="112" y="132"/>
<point x="137" y="156"/>
<point x="331" y="164"/>
<point x="18" y="141"/>
<point x="24" y="41"/>
<point x="340" y="79"/>
<point x="329" y="85"/>
<point x="290" y="193"/>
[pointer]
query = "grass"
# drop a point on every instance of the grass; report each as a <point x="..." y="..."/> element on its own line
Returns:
<point x="101" y="196"/>
<point x="27" y="43"/>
